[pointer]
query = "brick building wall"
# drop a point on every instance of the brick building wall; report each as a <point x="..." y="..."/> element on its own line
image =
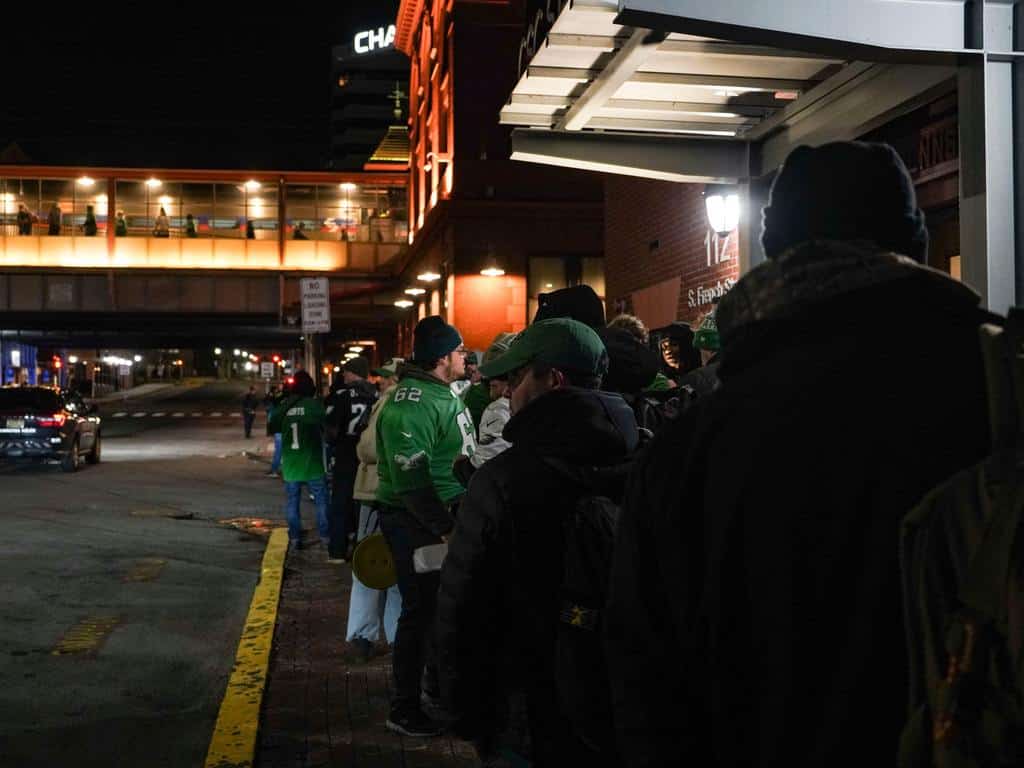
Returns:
<point x="661" y="258"/>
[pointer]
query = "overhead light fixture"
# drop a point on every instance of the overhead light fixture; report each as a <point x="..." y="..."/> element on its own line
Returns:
<point x="415" y="291"/>
<point x="72" y="359"/>
<point x="348" y="186"/>
<point x="337" y="369"/>
<point x="428" y="277"/>
<point x="355" y="350"/>
<point x="165" y="200"/>
<point x="403" y="303"/>
<point x="787" y="95"/>
<point x="137" y="358"/>
<point x="85" y="181"/>
<point x="154" y="183"/>
<point x="492" y="272"/>
<point x="252" y="185"/>
<point x="723" y="208"/>
<point x="492" y="269"/>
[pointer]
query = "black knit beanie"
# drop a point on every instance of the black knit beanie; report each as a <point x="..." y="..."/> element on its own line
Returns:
<point x="580" y="303"/>
<point x="432" y="339"/>
<point x="848" y="190"/>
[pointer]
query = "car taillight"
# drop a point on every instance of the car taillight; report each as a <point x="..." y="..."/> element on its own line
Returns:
<point x="57" y="420"/>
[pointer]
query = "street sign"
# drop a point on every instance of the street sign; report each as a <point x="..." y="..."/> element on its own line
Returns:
<point x="267" y="370"/>
<point x="316" y="305"/>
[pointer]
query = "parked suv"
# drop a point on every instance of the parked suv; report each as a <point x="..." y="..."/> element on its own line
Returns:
<point x="41" y="424"/>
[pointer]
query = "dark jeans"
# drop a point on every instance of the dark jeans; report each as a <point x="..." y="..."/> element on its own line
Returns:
<point x="413" y="648"/>
<point x="248" y="419"/>
<point x="344" y="516"/>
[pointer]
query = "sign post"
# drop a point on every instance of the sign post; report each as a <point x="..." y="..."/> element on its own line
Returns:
<point x="316" y="318"/>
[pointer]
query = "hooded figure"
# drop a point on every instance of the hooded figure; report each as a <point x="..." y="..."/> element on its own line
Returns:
<point x="755" y="610"/>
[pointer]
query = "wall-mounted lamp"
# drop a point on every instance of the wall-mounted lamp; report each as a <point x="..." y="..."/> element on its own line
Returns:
<point x="723" y="207"/>
<point x="428" y="277"/>
<point x="403" y="303"/>
<point x="440" y="157"/>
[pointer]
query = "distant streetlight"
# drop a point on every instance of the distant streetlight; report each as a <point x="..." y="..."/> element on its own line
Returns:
<point x="217" y="350"/>
<point x="138" y="358"/>
<point x="237" y="352"/>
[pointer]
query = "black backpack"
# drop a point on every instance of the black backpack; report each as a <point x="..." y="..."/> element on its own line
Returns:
<point x="962" y="556"/>
<point x="581" y="669"/>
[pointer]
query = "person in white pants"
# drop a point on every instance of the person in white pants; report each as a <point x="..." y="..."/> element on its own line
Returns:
<point x="370" y="610"/>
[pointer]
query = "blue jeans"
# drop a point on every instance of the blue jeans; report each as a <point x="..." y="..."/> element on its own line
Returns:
<point x="366" y="606"/>
<point x="291" y="511"/>
<point x="275" y="464"/>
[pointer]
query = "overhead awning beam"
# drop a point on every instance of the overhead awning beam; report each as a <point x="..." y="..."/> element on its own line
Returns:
<point x="672" y="78"/>
<point x="670" y="158"/>
<point x="641" y="45"/>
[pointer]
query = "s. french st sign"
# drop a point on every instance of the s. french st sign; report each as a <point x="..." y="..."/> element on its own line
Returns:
<point x="374" y="39"/>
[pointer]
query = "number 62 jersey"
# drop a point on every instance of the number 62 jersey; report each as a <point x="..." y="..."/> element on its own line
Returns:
<point x="421" y="430"/>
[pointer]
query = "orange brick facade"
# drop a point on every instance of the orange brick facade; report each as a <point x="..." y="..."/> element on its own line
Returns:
<point x="662" y="259"/>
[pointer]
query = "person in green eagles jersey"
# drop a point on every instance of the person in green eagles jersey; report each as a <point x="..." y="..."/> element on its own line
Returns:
<point x="421" y="430"/>
<point x="300" y="421"/>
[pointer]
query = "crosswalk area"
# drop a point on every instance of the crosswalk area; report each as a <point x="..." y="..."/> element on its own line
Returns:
<point x="175" y="415"/>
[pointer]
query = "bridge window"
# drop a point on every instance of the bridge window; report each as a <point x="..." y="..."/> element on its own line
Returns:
<point x="59" y="193"/>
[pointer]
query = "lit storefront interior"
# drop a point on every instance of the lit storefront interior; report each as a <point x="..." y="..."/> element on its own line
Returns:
<point x="214" y="220"/>
<point x="720" y="91"/>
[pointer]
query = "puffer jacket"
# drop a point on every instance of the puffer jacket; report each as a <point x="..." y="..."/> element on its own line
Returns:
<point x="366" y="451"/>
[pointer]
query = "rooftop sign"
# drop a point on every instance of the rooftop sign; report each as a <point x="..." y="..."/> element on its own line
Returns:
<point x="374" y="39"/>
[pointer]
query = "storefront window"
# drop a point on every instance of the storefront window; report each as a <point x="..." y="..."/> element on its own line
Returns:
<point x="301" y="209"/>
<point x="197" y="201"/>
<point x="229" y="211"/>
<point x="60" y="193"/>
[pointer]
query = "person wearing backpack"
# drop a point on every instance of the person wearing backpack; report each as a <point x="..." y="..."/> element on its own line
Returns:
<point x="519" y="610"/>
<point x="348" y="411"/>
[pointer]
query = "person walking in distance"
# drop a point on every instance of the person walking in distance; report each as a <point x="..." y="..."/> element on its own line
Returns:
<point x="249" y="405"/>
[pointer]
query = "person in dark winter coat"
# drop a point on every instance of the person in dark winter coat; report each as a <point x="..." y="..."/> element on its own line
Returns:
<point x="499" y="604"/>
<point x="754" y="616"/>
<point x="348" y="409"/>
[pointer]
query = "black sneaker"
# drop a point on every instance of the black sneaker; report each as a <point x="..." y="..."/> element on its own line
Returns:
<point x="414" y="724"/>
<point x="359" y="651"/>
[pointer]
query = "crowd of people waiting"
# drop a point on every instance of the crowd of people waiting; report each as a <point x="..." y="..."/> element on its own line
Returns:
<point x="617" y="552"/>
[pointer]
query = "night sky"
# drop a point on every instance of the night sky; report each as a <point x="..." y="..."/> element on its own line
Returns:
<point x="175" y="85"/>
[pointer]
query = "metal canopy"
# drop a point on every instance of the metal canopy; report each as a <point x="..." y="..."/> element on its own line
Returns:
<point x="592" y="73"/>
<point x="692" y="90"/>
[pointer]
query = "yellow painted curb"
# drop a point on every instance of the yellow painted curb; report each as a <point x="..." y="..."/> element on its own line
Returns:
<point x="233" y="744"/>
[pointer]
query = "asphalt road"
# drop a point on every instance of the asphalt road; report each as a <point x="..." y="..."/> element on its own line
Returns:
<point x="123" y="590"/>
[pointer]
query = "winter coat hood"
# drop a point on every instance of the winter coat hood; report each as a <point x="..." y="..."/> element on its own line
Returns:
<point x="578" y="426"/>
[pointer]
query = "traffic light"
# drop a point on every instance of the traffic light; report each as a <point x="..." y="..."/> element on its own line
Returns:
<point x="57" y="363"/>
<point x="276" y="358"/>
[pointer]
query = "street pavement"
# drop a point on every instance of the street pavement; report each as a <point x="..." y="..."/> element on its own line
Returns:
<point x="125" y="591"/>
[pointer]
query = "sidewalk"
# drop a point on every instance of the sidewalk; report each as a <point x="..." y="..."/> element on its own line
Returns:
<point x="319" y="710"/>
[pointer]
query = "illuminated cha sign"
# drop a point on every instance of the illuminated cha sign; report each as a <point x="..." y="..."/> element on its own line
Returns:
<point x="375" y="40"/>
